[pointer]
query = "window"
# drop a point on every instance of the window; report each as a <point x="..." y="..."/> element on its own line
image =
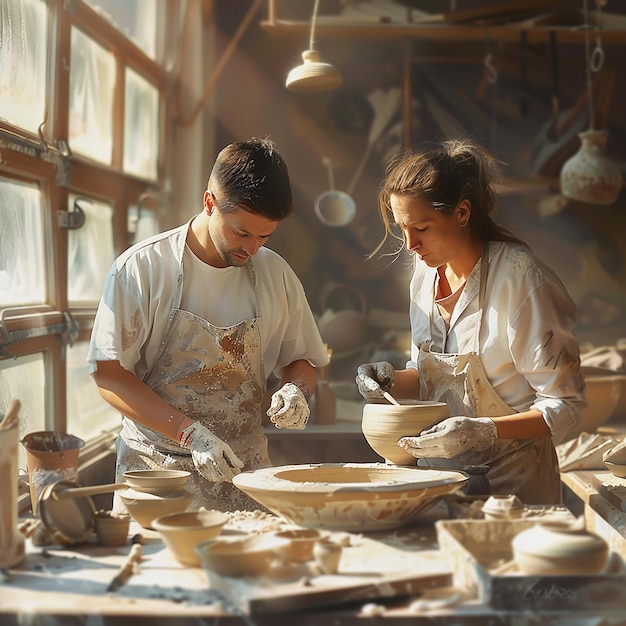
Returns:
<point x="22" y="249"/>
<point x="82" y="96"/>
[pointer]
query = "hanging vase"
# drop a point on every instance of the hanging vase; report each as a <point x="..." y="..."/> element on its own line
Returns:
<point x="590" y="175"/>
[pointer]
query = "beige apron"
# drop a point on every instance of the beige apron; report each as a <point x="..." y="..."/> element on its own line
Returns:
<point x="213" y="375"/>
<point x="527" y="468"/>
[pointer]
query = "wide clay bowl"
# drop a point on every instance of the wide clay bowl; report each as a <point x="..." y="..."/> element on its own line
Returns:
<point x="144" y="508"/>
<point x="159" y="482"/>
<point x="357" y="497"/>
<point x="182" y="532"/>
<point x="383" y="424"/>
<point x="248" y="556"/>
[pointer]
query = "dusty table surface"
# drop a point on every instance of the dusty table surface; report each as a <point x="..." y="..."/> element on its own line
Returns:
<point x="68" y="585"/>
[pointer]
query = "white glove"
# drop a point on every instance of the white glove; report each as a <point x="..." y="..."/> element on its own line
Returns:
<point x="289" y="408"/>
<point x="213" y="458"/>
<point x="451" y="437"/>
<point x="374" y="378"/>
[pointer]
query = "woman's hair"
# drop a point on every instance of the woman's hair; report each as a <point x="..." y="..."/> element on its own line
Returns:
<point x="443" y="176"/>
<point x="252" y="175"/>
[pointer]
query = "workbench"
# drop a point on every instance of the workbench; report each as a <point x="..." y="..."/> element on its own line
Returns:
<point x="68" y="585"/>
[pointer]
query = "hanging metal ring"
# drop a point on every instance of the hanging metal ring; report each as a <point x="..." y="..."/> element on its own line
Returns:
<point x="597" y="55"/>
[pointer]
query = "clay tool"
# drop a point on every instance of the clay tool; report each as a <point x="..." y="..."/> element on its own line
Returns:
<point x="390" y="398"/>
<point x="128" y="567"/>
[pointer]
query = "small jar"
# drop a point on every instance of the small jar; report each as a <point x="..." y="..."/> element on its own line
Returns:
<point x="500" y="507"/>
<point x="327" y="555"/>
<point x="558" y="548"/>
<point x="111" y="530"/>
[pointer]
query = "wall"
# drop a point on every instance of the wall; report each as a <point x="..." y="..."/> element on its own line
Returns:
<point x="512" y="117"/>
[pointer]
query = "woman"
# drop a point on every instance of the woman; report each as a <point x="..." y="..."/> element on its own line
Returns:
<point x="491" y="325"/>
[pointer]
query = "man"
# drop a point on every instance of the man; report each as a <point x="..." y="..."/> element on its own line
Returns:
<point x="191" y="323"/>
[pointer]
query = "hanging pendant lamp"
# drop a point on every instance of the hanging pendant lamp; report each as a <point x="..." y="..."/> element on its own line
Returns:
<point x="313" y="74"/>
<point x="590" y="175"/>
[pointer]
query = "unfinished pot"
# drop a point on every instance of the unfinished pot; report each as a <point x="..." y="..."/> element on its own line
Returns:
<point x="383" y="424"/>
<point x="555" y="548"/>
<point x="359" y="497"/>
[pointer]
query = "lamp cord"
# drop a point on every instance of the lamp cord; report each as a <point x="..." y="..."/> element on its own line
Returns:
<point x="588" y="68"/>
<point x="313" y="20"/>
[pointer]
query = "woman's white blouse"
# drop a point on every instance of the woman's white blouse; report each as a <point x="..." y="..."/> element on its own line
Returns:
<point x="527" y="342"/>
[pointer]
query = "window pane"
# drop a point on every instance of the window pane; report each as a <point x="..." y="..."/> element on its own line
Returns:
<point x="24" y="378"/>
<point x="141" y="126"/>
<point x="23" y="62"/>
<point x="87" y="413"/>
<point x="90" y="251"/>
<point x="92" y="79"/>
<point x="142" y="223"/>
<point x="22" y="249"/>
<point x="137" y="19"/>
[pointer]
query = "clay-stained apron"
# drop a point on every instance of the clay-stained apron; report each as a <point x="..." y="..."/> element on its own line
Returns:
<point x="214" y="375"/>
<point x="527" y="468"/>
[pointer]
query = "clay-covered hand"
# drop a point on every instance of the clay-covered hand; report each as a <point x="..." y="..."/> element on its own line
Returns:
<point x="373" y="379"/>
<point x="289" y="408"/>
<point x="451" y="437"/>
<point x="212" y="457"/>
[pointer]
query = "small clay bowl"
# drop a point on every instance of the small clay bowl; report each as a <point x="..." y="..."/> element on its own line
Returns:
<point x="111" y="529"/>
<point x="159" y="482"/>
<point x="144" y="508"/>
<point x="182" y="532"/>
<point x="240" y="557"/>
<point x="301" y="542"/>
<point x="617" y="469"/>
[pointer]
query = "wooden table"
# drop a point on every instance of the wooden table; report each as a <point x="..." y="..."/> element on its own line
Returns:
<point x="64" y="586"/>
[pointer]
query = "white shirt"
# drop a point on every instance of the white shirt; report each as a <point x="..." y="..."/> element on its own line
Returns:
<point x="146" y="282"/>
<point x="527" y="342"/>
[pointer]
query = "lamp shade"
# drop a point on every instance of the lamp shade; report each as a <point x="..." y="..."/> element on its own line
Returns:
<point x="590" y="175"/>
<point x="313" y="74"/>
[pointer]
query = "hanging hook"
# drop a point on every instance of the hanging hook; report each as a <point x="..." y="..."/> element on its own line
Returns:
<point x="491" y="71"/>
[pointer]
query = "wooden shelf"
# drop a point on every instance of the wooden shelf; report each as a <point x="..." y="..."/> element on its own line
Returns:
<point x="613" y="31"/>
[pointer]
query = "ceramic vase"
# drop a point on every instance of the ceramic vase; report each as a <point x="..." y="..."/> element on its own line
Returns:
<point x="559" y="548"/>
<point x="590" y="175"/>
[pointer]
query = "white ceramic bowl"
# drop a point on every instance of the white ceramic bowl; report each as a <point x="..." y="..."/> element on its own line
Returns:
<point x="144" y="508"/>
<point x="357" y="497"/>
<point x="236" y="556"/>
<point x="182" y="532"/>
<point x="384" y="423"/>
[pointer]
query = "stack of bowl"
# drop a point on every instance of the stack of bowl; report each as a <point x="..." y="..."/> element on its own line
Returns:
<point x="154" y="493"/>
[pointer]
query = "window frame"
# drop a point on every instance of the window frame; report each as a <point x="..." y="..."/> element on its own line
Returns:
<point x="45" y="160"/>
